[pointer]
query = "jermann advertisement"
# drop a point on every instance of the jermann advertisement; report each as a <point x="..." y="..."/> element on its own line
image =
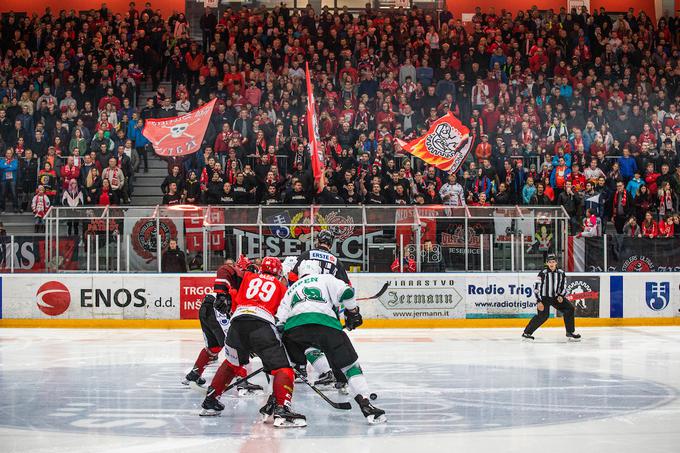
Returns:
<point x="411" y="296"/>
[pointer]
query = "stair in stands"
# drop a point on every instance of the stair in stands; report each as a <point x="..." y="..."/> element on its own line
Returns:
<point x="147" y="186"/>
<point x="18" y="224"/>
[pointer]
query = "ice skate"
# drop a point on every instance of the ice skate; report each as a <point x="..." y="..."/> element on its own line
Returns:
<point x="302" y="371"/>
<point x="526" y="336"/>
<point x="211" y="406"/>
<point x="194" y="379"/>
<point x="341" y="387"/>
<point x="326" y="378"/>
<point x="573" y="337"/>
<point x="267" y="411"/>
<point x="249" y="389"/>
<point x="285" y="418"/>
<point x="373" y="414"/>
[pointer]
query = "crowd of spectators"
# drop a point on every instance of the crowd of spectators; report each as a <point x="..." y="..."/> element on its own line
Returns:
<point x="567" y="108"/>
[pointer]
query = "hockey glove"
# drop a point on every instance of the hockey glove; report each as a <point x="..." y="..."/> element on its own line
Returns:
<point x="223" y="303"/>
<point x="353" y="319"/>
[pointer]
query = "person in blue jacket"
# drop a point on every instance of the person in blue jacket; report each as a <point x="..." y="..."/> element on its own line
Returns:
<point x="9" y="172"/>
<point x="142" y="144"/>
<point x="634" y="184"/>
<point x="627" y="165"/>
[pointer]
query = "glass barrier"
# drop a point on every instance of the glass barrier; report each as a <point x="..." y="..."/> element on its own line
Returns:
<point x="367" y="239"/>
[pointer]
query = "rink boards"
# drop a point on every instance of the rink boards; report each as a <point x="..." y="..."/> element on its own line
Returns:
<point x="410" y="300"/>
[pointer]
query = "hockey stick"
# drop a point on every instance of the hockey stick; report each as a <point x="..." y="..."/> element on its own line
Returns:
<point x="378" y="294"/>
<point x="243" y="379"/>
<point x="342" y="406"/>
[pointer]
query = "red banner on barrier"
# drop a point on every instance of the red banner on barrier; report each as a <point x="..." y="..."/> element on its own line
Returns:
<point x="192" y="290"/>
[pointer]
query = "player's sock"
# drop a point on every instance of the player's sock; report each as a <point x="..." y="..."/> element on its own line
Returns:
<point x="318" y="360"/>
<point x="225" y="373"/>
<point x="204" y="357"/>
<point x="283" y="385"/>
<point x="356" y="380"/>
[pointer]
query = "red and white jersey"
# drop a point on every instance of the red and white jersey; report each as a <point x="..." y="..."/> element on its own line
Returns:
<point x="259" y="295"/>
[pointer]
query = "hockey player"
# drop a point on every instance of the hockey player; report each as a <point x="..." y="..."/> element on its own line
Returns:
<point x="252" y="330"/>
<point x="214" y="320"/>
<point x="314" y="357"/>
<point x="308" y="316"/>
<point x="330" y="264"/>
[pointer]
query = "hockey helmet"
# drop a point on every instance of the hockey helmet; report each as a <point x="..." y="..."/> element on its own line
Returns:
<point x="309" y="267"/>
<point x="271" y="265"/>
<point x="325" y="237"/>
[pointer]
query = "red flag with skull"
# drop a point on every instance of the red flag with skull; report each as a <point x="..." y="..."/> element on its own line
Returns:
<point x="179" y="135"/>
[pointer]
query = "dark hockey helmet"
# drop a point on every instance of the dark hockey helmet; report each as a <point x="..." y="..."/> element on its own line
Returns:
<point x="325" y="237"/>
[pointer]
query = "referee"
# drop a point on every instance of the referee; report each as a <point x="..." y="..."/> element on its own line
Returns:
<point x="551" y="290"/>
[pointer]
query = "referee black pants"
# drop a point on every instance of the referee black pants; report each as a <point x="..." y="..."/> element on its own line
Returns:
<point x="542" y="316"/>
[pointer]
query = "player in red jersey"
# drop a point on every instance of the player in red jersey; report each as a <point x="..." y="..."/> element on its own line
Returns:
<point x="213" y="316"/>
<point x="252" y="330"/>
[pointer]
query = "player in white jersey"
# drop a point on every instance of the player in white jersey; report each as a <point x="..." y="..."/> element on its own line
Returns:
<point x="315" y="357"/>
<point x="308" y="315"/>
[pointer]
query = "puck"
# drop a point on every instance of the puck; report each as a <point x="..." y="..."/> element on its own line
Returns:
<point x="373" y="396"/>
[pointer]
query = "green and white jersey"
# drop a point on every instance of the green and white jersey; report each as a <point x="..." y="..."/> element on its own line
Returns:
<point x="315" y="299"/>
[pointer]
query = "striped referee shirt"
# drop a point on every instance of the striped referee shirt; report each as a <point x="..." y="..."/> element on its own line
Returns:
<point x="550" y="284"/>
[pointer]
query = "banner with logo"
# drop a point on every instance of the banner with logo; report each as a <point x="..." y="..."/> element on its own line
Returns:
<point x="626" y="254"/>
<point x="407" y="296"/>
<point x="500" y="296"/>
<point x="651" y="295"/>
<point x="142" y="231"/>
<point x="584" y="293"/>
<point x="179" y="135"/>
<point x="411" y="296"/>
<point x="288" y="231"/>
<point x="90" y="296"/>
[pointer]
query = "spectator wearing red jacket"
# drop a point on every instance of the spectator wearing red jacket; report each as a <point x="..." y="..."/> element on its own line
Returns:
<point x="194" y="61"/>
<point x="648" y="228"/>
<point x="578" y="179"/>
<point x="666" y="227"/>
<point x="408" y="264"/>
<point x="69" y="172"/>
<point x="650" y="179"/>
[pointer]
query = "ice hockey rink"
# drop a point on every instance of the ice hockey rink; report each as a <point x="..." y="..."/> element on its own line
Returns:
<point x="480" y="390"/>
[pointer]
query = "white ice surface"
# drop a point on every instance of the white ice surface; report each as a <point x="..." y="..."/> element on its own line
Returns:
<point x="468" y="390"/>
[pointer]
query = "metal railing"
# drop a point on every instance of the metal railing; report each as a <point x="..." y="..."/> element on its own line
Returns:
<point x="123" y="239"/>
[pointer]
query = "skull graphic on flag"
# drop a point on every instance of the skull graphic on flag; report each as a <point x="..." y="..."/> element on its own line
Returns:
<point x="181" y="135"/>
<point x="445" y="145"/>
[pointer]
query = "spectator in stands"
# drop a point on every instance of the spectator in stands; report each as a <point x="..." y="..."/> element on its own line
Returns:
<point x="9" y="172"/>
<point x="648" y="227"/>
<point x="72" y="198"/>
<point x="40" y="205"/>
<point x="173" y="259"/>
<point x="116" y="181"/>
<point x="666" y="227"/>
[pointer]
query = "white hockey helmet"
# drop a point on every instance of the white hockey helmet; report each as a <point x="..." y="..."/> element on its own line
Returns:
<point x="288" y="265"/>
<point x="309" y="267"/>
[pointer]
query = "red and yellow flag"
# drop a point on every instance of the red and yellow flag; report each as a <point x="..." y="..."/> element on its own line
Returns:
<point x="445" y="145"/>
<point x="313" y="132"/>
